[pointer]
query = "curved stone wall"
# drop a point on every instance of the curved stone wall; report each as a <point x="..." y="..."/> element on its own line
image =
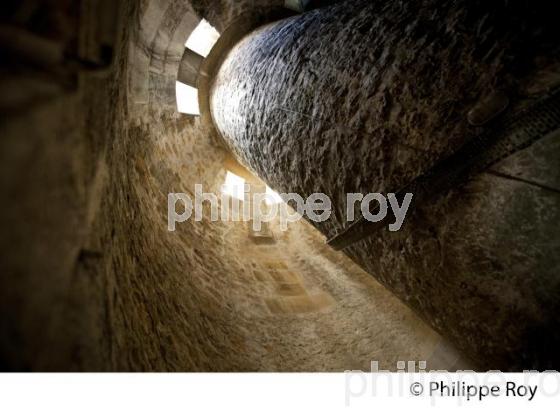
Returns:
<point x="91" y="278"/>
<point x="364" y="96"/>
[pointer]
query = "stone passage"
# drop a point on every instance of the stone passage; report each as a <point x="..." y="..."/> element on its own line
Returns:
<point x="365" y="96"/>
<point x="359" y="97"/>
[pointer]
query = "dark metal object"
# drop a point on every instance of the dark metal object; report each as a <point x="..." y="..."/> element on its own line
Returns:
<point x="508" y="136"/>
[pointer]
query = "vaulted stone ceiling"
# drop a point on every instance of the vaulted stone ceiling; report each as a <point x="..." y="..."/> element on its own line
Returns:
<point x="91" y="279"/>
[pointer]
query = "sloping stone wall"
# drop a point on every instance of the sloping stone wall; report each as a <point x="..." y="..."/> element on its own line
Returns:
<point x="92" y="280"/>
<point x="363" y="97"/>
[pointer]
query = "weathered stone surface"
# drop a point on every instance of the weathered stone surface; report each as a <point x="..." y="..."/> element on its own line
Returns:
<point x="363" y="97"/>
<point x="90" y="279"/>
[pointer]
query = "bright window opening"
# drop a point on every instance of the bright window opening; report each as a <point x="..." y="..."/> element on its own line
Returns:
<point x="234" y="186"/>
<point x="203" y="38"/>
<point x="272" y="197"/>
<point x="187" y="99"/>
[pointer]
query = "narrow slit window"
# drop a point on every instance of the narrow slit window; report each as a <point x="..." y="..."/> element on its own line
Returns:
<point x="203" y="38"/>
<point x="234" y="186"/>
<point x="272" y="197"/>
<point x="187" y="99"/>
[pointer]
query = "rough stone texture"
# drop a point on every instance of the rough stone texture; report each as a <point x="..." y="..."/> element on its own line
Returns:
<point x="222" y="13"/>
<point x="364" y="96"/>
<point x="90" y="277"/>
